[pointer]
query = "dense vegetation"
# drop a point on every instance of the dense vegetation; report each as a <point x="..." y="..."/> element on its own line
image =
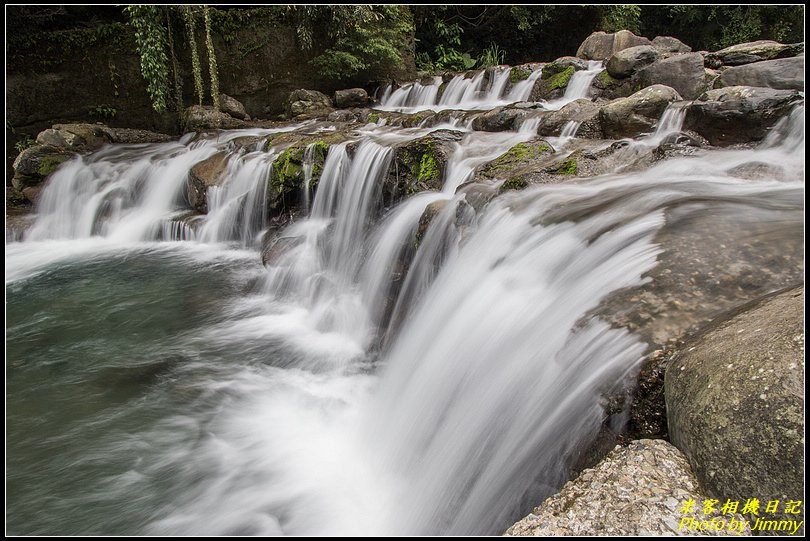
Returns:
<point x="353" y="44"/>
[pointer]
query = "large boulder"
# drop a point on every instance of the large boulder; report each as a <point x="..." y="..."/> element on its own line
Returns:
<point x="233" y="107"/>
<point x="419" y="165"/>
<point x="637" y="490"/>
<point x="352" y="97"/>
<point x="519" y="160"/>
<point x="636" y="114"/>
<point x="78" y="137"/>
<point x="683" y="72"/>
<point x="668" y="44"/>
<point x="310" y="103"/>
<point x="605" y="86"/>
<point x="627" y="61"/>
<point x="205" y="117"/>
<point x="499" y="119"/>
<point x="735" y="403"/>
<point x="738" y="114"/>
<point x="601" y="46"/>
<point x="204" y="174"/>
<point x="34" y="164"/>
<point x="755" y="51"/>
<point x="582" y="111"/>
<point x="783" y="73"/>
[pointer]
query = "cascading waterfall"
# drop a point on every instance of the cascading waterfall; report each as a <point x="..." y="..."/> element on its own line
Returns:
<point x="462" y="92"/>
<point x="364" y="383"/>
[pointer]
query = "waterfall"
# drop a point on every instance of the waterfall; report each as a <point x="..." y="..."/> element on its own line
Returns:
<point x="461" y="92"/>
<point x="382" y="373"/>
<point x="578" y="86"/>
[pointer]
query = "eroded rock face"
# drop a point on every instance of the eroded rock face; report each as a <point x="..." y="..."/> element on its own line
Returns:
<point x="636" y="114"/>
<point x="33" y="165"/>
<point x="209" y="172"/>
<point x="205" y="117"/>
<point x="754" y="51"/>
<point x="233" y="107"/>
<point x="583" y="111"/>
<point x="738" y="114"/>
<point x="627" y="61"/>
<point x="309" y="103"/>
<point x="601" y="45"/>
<point x="667" y="44"/>
<point x="352" y="97"/>
<point x="783" y="73"/>
<point x="499" y="119"/>
<point x="735" y="403"/>
<point x="637" y="490"/>
<point x="683" y="72"/>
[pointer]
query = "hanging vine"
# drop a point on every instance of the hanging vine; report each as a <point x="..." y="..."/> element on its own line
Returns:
<point x="212" y="59"/>
<point x="196" y="69"/>
<point x="150" y="38"/>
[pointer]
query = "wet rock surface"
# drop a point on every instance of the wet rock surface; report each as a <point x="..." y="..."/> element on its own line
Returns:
<point x="636" y="490"/>
<point x="735" y="402"/>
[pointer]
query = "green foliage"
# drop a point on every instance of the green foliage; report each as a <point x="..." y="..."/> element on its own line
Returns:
<point x="620" y="17"/>
<point x="25" y="142"/>
<point x="448" y="58"/>
<point x="363" y="40"/>
<point x="492" y="56"/>
<point x="150" y="37"/>
<point x="105" y="112"/>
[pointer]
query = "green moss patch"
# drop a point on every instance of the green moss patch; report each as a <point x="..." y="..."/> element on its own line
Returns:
<point x="568" y="167"/>
<point x="561" y="79"/>
<point x="518" y="74"/>
<point x="49" y="164"/>
<point x="513" y="183"/>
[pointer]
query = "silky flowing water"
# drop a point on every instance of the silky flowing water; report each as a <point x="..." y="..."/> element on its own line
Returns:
<point x="162" y="381"/>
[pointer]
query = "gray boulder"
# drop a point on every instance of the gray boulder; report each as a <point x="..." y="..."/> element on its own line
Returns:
<point x="352" y="97"/>
<point x="667" y="44"/>
<point x="627" y="61"/>
<point x="683" y="72"/>
<point x="205" y="117"/>
<point x="735" y="403"/>
<point x="499" y="119"/>
<point x="233" y="107"/>
<point x="738" y="114"/>
<point x="34" y="164"/>
<point x="754" y="51"/>
<point x="78" y="137"/>
<point x="636" y="114"/>
<point x="601" y="45"/>
<point x="209" y="172"/>
<point x="308" y="102"/>
<point x="637" y="490"/>
<point x="583" y="111"/>
<point x="783" y="73"/>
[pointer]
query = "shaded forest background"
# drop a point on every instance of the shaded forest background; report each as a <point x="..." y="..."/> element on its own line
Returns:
<point x="139" y="66"/>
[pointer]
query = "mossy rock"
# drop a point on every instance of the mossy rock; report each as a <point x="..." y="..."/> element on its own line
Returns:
<point x="419" y="165"/>
<point x="287" y="176"/>
<point x="516" y="182"/>
<point x="567" y="167"/>
<point x="553" y="86"/>
<point x="34" y="164"/>
<point x="517" y="158"/>
<point x="519" y="74"/>
<point x="608" y="87"/>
